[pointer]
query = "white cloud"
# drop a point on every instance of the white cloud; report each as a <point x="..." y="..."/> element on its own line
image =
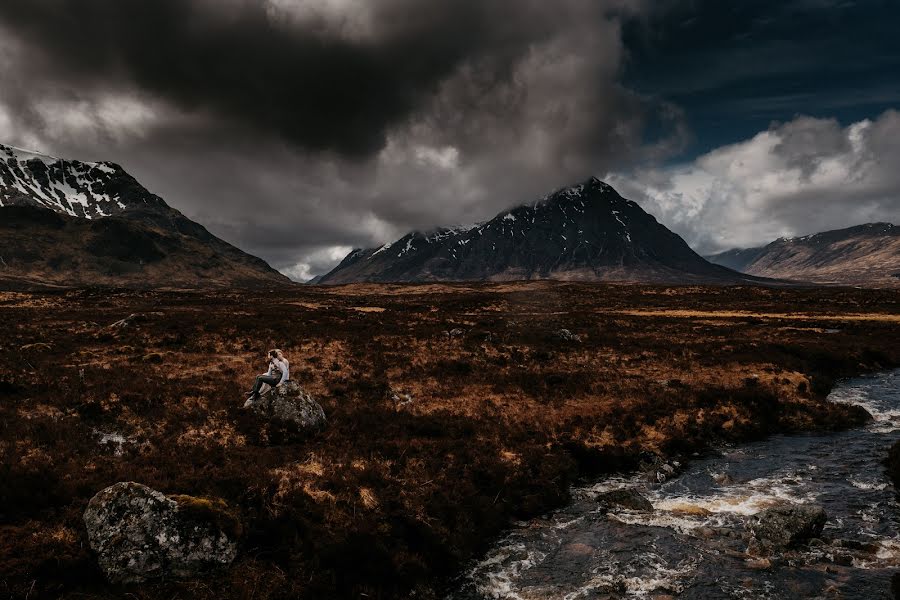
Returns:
<point x="800" y="177"/>
<point x="316" y="262"/>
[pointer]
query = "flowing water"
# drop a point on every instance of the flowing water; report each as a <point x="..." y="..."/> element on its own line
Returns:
<point x="693" y="544"/>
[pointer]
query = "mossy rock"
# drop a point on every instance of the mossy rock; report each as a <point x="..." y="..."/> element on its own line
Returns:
<point x="140" y="534"/>
<point x="210" y="510"/>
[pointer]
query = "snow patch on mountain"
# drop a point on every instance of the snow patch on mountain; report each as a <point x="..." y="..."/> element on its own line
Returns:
<point x="78" y="189"/>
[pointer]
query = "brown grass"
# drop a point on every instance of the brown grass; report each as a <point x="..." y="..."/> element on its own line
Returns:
<point x="396" y="495"/>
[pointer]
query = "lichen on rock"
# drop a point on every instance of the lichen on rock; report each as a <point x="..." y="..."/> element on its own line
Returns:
<point x="139" y="533"/>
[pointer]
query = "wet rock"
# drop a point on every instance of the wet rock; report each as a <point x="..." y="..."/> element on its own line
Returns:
<point x="567" y="336"/>
<point x="865" y="547"/>
<point x="140" y="534"/>
<point x="657" y="470"/>
<point x="759" y="564"/>
<point x="786" y="526"/>
<point x="289" y="403"/>
<point x="716" y="532"/>
<point x="628" y="499"/>
<point x="893" y="464"/>
<point x="844" y="560"/>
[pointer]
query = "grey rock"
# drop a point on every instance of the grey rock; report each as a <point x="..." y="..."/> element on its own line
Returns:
<point x="140" y="534"/>
<point x="400" y="398"/>
<point x="786" y="526"/>
<point x="568" y="336"/>
<point x="290" y="403"/>
<point x="628" y="499"/>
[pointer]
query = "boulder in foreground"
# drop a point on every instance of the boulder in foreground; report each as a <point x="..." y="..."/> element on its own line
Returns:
<point x="140" y="534"/>
<point x="290" y="403"/>
<point x="786" y="526"/>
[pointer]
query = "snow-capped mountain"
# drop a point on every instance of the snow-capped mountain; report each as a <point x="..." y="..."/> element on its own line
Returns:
<point x="866" y="255"/>
<point x="69" y="187"/>
<point x="72" y="223"/>
<point x="584" y="232"/>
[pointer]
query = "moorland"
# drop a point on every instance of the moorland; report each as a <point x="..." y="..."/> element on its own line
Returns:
<point x="452" y="410"/>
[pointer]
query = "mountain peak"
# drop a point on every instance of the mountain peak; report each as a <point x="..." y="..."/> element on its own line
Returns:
<point x="70" y="187"/>
<point x="67" y="222"/>
<point x="587" y="188"/>
<point x="583" y="232"/>
<point x="24" y="155"/>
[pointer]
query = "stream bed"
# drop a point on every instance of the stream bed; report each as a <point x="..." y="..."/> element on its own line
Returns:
<point x="693" y="544"/>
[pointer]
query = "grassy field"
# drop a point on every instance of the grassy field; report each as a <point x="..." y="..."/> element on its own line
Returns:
<point x="452" y="410"/>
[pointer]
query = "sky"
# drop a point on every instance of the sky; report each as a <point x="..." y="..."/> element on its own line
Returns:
<point x="300" y="129"/>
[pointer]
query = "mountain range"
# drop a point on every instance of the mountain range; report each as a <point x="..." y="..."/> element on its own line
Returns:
<point x="585" y="232"/>
<point x="865" y="255"/>
<point x="69" y="223"/>
<point x="72" y="223"/>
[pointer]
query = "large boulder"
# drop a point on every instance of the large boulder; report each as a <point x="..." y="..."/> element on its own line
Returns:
<point x="139" y="533"/>
<point x="290" y="403"/>
<point x="786" y="526"/>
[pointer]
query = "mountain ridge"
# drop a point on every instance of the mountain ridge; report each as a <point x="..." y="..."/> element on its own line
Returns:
<point x="71" y="223"/>
<point x="867" y="254"/>
<point x="583" y="232"/>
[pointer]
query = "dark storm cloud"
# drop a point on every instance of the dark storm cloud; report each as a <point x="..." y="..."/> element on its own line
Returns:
<point x="286" y="67"/>
<point x="299" y="128"/>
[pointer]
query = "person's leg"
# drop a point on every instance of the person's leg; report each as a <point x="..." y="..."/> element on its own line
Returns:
<point x="260" y="380"/>
<point x="257" y="385"/>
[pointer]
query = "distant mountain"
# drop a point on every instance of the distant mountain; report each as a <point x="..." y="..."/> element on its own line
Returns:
<point x="585" y="232"/>
<point x="867" y="255"/>
<point x="71" y="223"/>
<point x="737" y="258"/>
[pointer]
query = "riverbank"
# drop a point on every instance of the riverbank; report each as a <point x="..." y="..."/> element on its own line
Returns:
<point x="718" y="527"/>
<point x="452" y="410"/>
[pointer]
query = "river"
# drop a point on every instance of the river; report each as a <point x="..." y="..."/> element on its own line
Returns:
<point x="693" y="544"/>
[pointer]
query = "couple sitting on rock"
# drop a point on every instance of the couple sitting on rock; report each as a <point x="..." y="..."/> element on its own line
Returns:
<point x="278" y="373"/>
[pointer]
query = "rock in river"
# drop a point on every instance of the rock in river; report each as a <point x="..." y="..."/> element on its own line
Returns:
<point x="139" y="533"/>
<point x="290" y="403"/>
<point x="628" y="499"/>
<point x="787" y="525"/>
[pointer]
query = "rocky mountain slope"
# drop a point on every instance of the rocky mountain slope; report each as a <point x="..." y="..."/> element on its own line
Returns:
<point x="65" y="223"/>
<point x="585" y="232"/>
<point x="867" y="255"/>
